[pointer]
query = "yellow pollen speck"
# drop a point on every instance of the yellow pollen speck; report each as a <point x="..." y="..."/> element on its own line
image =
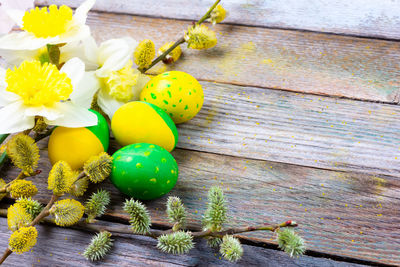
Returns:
<point x="153" y="180"/>
<point x="44" y="85"/>
<point x="379" y="215"/>
<point x="43" y="22"/>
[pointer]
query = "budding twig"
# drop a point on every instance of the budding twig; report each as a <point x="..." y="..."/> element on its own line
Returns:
<point x="180" y="40"/>
<point x="44" y="213"/>
<point x="154" y="233"/>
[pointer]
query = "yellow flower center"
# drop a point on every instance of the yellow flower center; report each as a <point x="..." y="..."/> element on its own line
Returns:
<point x="47" y="23"/>
<point x="119" y="83"/>
<point x="38" y="84"/>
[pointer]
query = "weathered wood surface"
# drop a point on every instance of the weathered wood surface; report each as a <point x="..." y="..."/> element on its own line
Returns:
<point x="340" y="213"/>
<point x="356" y="17"/>
<point x="295" y="128"/>
<point x="61" y="247"/>
<point x="290" y="60"/>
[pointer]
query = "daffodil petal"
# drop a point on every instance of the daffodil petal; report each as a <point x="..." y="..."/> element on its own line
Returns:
<point x="16" y="15"/>
<point x="24" y="41"/>
<point x="82" y="11"/>
<point x="16" y="57"/>
<point x="85" y="90"/>
<point x="74" y="116"/>
<point x="48" y="113"/>
<point x="13" y="119"/>
<point x="108" y="104"/>
<point x="75" y="69"/>
<point x="114" y="54"/>
<point x="84" y="50"/>
<point x="75" y="33"/>
<point x="5" y="96"/>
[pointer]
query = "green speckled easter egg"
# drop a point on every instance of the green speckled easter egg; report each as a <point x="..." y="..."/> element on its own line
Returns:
<point x="144" y="171"/>
<point x="179" y="94"/>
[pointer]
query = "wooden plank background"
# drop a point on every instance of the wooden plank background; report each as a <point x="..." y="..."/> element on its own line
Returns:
<point x="56" y="247"/>
<point x="356" y="17"/>
<point x="296" y="125"/>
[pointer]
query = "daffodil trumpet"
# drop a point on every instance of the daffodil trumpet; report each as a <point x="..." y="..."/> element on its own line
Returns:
<point x="34" y="89"/>
<point x="45" y="26"/>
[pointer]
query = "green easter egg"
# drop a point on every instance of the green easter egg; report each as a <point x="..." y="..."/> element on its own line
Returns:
<point x="144" y="171"/>
<point x="179" y="94"/>
<point x="141" y="122"/>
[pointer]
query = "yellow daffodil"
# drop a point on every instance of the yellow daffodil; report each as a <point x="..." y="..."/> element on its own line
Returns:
<point x="42" y="26"/>
<point x="119" y="81"/>
<point x="35" y="89"/>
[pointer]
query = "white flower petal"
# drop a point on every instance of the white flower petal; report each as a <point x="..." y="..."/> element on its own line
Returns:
<point x="108" y="104"/>
<point x="74" y="116"/>
<point x="13" y="119"/>
<point x="73" y="34"/>
<point x="24" y="41"/>
<point x="114" y="54"/>
<point x="75" y="69"/>
<point x="49" y="113"/>
<point x="16" y="57"/>
<point x="81" y="12"/>
<point x="86" y="50"/>
<point x="16" y="15"/>
<point x="138" y="87"/>
<point x="85" y="90"/>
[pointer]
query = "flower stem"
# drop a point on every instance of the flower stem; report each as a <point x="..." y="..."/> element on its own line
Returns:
<point x="180" y="40"/>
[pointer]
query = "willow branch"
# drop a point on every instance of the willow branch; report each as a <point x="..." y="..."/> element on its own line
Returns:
<point x="44" y="213"/>
<point x="180" y="40"/>
<point x="154" y="233"/>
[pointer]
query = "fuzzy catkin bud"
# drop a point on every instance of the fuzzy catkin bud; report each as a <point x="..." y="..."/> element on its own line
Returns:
<point x="2" y="185"/>
<point x="24" y="153"/>
<point x="231" y="249"/>
<point x="17" y="217"/>
<point x="23" y="240"/>
<point x="99" y="246"/>
<point x="22" y="188"/>
<point x="215" y="215"/>
<point x="144" y="53"/>
<point x="98" y="168"/>
<point x="67" y="212"/>
<point x="80" y="186"/>
<point x="290" y="242"/>
<point x="96" y="205"/>
<point x="176" y="212"/>
<point x="173" y="56"/>
<point x="61" y="178"/>
<point x="200" y="37"/>
<point x="40" y="125"/>
<point x="31" y="206"/>
<point x="218" y="15"/>
<point x="176" y="243"/>
<point x="140" y="218"/>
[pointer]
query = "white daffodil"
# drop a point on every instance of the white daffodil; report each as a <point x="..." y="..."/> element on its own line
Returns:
<point x="42" y="26"/>
<point x="41" y="90"/>
<point x="119" y="82"/>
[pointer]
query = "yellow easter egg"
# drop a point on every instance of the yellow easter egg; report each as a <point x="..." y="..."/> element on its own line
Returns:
<point x="77" y="145"/>
<point x="142" y="122"/>
<point x="177" y="93"/>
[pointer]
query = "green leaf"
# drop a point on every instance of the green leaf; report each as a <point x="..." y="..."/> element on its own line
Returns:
<point x="53" y="54"/>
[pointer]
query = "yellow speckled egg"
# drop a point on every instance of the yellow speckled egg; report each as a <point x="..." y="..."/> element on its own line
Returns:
<point x="177" y="93"/>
